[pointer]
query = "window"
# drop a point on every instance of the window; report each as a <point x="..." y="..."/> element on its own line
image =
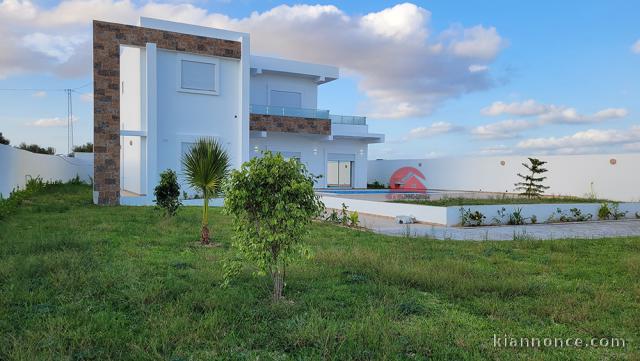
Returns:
<point x="286" y="99"/>
<point x="198" y="74"/>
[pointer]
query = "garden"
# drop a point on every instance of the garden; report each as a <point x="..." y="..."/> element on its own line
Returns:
<point x="266" y="277"/>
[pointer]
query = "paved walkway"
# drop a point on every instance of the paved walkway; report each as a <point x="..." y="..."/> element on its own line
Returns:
<point x="595" y="229"/>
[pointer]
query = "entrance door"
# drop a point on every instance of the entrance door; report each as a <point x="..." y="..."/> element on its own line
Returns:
<point x="339" y="173"/>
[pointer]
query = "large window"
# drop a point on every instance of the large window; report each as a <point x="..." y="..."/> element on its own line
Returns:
<point x="286" y="99"/>
<point x="198" y="74"/>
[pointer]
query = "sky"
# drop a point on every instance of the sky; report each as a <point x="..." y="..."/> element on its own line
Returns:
<point x="438" y="78"/>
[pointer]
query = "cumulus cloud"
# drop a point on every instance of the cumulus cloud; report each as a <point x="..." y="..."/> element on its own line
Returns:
<point x="583" y="140"/>
<point x="502" y="130"/>
<point x="550" y="113"/>
<point x="434" y="129"/>
<point x="636" y="47"/>
<point x="525" y="108"/>
<point x="402" y="67"/>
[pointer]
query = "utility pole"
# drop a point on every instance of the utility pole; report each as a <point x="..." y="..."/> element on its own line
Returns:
<point x="69" y="120"/>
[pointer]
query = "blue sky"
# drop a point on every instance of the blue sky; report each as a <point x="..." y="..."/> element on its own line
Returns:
<point x="563" y="77"/>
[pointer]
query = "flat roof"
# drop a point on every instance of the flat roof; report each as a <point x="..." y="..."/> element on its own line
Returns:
<point x="191" y="29"/>
<point x="322" y="73"/>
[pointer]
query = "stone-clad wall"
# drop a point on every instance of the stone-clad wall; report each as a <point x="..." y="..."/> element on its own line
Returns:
<point x="276" y="123"/>
<point x="107" y="38"/>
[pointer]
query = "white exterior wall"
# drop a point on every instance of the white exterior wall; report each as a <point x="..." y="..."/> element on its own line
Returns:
<point x="263" y="84"/>
<point x="184" y="117"/>
<point x="132" y="148"/>
<point x="19" y="165"/>
<point x="316" y="161"/>
<point x="574" y="175"/>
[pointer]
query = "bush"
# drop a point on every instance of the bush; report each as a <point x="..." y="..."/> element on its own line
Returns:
<point x="4" y="140"/>
<point x="272" y="203"/>
<point x="34" y="148"/>
<point x="604" y="212"/>
<point x="468" y="218"/>
<point x="17" y="196"/>
<point x="84" y="148"/>
<point x="167" y="193"/>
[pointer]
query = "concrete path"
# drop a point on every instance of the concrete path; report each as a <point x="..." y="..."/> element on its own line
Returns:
<point x="595" y="229"/>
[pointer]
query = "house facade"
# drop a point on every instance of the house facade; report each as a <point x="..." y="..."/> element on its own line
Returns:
<point x="160" y="86"/>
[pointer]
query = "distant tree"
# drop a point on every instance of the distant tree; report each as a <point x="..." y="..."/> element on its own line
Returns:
<point x="167" y="193"/>
<point x="3" y="140"/>
<point x="531" y="185"/>
<point x="84" y="148"/>
<point x="205" y="167"/>
<point x="34" y="148"/>
<point x="272" y="202"/>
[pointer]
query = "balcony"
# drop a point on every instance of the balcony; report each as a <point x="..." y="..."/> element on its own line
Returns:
<point x="288" y="112"/>
<point x="348" y="119"/>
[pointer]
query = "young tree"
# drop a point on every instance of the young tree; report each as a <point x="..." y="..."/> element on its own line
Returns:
<point x="4" y="140"/>
<point x="206" y="165"/>
<point x="272" y="203"/>
<point x="167" y="193"/>
<point x="531" y="185"/>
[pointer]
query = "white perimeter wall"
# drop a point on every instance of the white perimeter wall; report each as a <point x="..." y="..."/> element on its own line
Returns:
<point x="18" y="165"/>
<point x="263" y="84"/>
<point x="316" y="163"/>
<point x="572" y="175"/>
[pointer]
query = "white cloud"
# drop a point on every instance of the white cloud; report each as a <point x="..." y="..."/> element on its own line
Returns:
<point x="474" y="68"/>
<point x="496" y="150"/>
<point x="40" y="94"/>
<point x="583" y="140"/>
<point x="550" y="113"/>
<point x="50" y="122"/>
<point x="402" y="68"/>
<point x="502" y="130"/>
<point x="636" y="47"/>
<point x="477" y="42"/>
<point x="434" y="129"/>
<point x="527" y="107"/>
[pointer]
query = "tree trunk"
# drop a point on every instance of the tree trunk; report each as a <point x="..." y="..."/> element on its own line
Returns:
<point x="277" y="276"/>
<point x="204" y="234"/>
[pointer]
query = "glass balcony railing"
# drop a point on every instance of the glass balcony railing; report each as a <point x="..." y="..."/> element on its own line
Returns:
<point x="348" y="119"/>
<point x="307" y="113"/>
<point x="289" y="112"/>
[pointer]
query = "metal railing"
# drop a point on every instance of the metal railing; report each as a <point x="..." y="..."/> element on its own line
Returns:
<point x="289" y="112"/>
<point x="348" y="119"/>
<point x="307" y="113"/>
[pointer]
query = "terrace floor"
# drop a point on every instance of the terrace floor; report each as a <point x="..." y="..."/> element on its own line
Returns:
<point x="592" y="229"/>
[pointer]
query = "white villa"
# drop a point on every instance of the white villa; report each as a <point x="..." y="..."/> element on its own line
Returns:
<point x="167" y="84"/>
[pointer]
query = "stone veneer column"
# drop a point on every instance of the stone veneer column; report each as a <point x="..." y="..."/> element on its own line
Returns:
<point x="107" y="38"/>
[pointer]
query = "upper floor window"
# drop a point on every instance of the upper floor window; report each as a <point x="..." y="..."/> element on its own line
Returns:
<point x="286" y="99"/>
<point x="197" y="74"/>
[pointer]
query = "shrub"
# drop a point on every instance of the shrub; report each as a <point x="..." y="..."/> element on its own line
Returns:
<point x="272" y="203"/>
<point x="84" y="148"/>
<point x="34" y="148"/>
<point x="167" y="193"/>
<point x="578" y="216"/>
<point x="376" y="185"/>
<point x="468" y="218"/>
<point x="534" y="219"/>
<point x="354" y="219"/>
<point x="604" y="212"/>
<point x="515" y="218"/>
<point x="4" y="140"/>
<point x="615" y="211"/>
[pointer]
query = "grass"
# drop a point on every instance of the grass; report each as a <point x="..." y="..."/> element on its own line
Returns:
<point x="82" y="282"/>
<point x="461" y="201"/>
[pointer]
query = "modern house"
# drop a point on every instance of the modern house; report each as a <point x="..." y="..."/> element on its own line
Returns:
<point x="161" y="85"/>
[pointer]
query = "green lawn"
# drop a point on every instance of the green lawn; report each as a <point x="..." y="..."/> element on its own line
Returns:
<point x="82" y="282"/>
<point x="460" y="201"/>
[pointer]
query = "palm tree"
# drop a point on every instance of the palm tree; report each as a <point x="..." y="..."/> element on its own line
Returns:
<point x="205" y="167"/>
